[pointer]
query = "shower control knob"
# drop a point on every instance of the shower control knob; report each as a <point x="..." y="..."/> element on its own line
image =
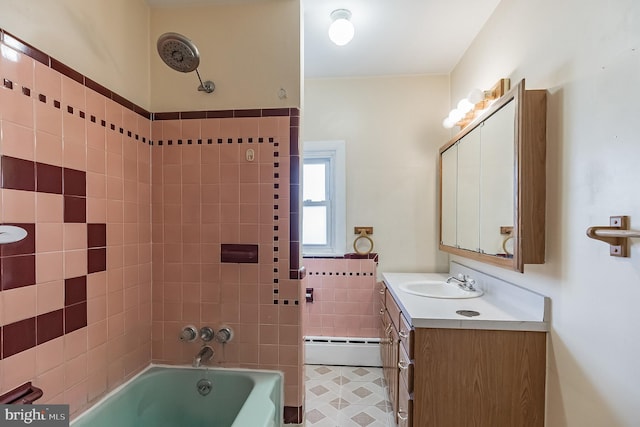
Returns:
<point x="206" y="333"/>
<point x="189" y="333"/>
<point x="224" y="335"/>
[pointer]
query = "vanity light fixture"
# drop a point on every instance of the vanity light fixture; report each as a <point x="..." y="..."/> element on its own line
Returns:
<point x="476" y="101"/>
<point x="341" y="30"/>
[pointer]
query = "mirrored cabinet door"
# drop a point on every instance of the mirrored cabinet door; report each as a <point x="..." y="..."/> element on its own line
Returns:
<point x="468" y="203"/>
<point x="497" y="194"/>
<point x="449" y="180"/>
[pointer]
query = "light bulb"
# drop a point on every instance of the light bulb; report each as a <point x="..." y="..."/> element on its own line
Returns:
<point x="456" y="115"/>
<point x="447" y="123"/>
<point x="475" y="96"/>
<point x="341" y="30"/>
<point x="465" y="106"/>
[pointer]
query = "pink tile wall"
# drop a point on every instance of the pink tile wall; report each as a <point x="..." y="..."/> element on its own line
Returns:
<point x="345" y="298"/>
<point x="206" y="193"/>
<point x="53" y="121"/>
<point x="129" y="225"/>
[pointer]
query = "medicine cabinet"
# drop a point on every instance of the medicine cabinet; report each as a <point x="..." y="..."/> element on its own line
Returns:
<point x="492" y="183"/>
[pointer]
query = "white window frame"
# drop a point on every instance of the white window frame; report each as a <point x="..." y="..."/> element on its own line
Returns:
<point x="334" y="152"/>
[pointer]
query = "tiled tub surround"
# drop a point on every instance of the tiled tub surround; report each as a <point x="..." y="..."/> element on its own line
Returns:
<point x="75" y="295"/>
<point x="345" y="297"/>
<point x="206" y="194"/>
<point x="84" y="339"/>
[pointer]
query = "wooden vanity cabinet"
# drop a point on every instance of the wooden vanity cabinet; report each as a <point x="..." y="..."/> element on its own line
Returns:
<point x="464" y="377"/>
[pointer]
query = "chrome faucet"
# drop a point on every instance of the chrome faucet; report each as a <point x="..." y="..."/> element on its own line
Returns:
<point x="463" y="281"/>
<point x="204" y="355"/>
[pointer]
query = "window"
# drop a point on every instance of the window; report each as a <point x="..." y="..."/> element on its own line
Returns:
<point x="323" y="195"/>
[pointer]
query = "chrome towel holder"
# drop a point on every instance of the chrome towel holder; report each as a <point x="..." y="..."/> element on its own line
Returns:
<point x="617" y="235"/>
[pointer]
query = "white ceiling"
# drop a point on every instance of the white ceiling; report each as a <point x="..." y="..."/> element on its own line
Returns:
<point x="392" y="37"/>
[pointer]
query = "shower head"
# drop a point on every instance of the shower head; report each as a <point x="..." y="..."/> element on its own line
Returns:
<point x="178" y="52"/>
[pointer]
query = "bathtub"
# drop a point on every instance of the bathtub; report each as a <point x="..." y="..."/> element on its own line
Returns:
<point x="169" y="396"/>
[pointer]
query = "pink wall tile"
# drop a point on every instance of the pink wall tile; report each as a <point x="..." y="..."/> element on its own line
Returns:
<point x="18" y="141"/>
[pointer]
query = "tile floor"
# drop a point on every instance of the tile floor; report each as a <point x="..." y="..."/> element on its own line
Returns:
<point x="345" y="396"/>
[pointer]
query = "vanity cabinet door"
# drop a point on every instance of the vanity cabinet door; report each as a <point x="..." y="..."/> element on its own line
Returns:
<point x="449" y="183"/>
<point x="497" y="178"/>
<point x="468" y="191"/>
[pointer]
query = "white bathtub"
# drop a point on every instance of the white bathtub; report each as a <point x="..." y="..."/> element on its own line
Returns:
<point x="168" y="396"/>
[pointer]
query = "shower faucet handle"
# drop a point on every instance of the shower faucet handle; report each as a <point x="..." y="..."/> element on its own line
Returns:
<point x="207" y="333"/>
<point x="224" y="335"/>
<point x="188" y="333"/>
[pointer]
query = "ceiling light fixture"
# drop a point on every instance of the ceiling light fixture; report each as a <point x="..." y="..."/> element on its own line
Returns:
<point x="341" y="30"/>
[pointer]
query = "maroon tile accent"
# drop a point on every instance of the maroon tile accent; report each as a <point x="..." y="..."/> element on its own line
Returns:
<point x="239" y="253"/>
<point x="0" y="342"/>
<point x="42" y="98"/>
<point x="97" y="87"/>
<point x="122" y="101"/>
<point x="75" y="290"/>
<point x="74" y="182"/>
<point x="141" y="111"/>
<point x="247" y="113"/>
<point x="294" y="255"/>
<point x="293" y="414"/>
<point x="294" y="149"/>
<point x="7" y="83"/>
<point x="56" y="103"/>
<point x="96" y="235"/>
<point x="294" y="121"/>
<point x="294" y="170"/>
<point x="294" y="112"/>
<point x="67" y="71"/>
<point x="23" y="247"/>
<point x="18" y="174"/>
<point x="18" y="336"/>
<point x="166" y="116"/>
<point x="220" y="114"/>
<point x="17" y="271"/>
<point x="49" y="326"/>
<point x="26" y="91"/>
<point x="96" y="260"/>
<point x="48" y="178"/>
<point x="193" y="115"/>
<point x="273" y="112"/>
<point x="75" y="317"/>
<point x="75" y="209"/>
<point x="21" y="46"/>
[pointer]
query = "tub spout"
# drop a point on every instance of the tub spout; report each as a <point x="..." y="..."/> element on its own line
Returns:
<point x="204" y="355"/>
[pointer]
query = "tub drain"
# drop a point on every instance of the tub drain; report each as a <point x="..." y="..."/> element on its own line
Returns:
<point x="468" y="313"/>
<point x="204" y="387"/>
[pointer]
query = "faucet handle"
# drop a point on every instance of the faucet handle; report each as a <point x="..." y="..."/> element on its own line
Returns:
<point x="188" y="333"/>
<point x="224" y="335"/>
<point x="206" y="333"/>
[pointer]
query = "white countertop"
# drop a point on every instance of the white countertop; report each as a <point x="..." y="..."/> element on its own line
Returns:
<point x="503" y="306"/>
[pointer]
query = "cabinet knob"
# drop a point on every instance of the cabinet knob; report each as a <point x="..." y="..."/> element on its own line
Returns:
<point x="381" y="291"/>
<point x="403" y="365"/>
<point x="403" y="334"/>
<point x="402" y="416"/>
<point x="381" y="311"/>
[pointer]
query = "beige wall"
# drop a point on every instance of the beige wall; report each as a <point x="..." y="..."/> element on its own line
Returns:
<point x="249" y="51"/>
<point x="586" y="55"/>
<point x="392" y="130"/>
<point x="106" y="41"/>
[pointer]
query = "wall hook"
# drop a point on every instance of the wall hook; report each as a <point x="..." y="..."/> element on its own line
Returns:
<point x="617" y="235"/>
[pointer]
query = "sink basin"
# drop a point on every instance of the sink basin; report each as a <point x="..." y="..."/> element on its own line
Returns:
<point x="438" y="289"/>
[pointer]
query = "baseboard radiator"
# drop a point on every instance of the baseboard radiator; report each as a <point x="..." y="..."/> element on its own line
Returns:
<point x="342" y="351"/>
